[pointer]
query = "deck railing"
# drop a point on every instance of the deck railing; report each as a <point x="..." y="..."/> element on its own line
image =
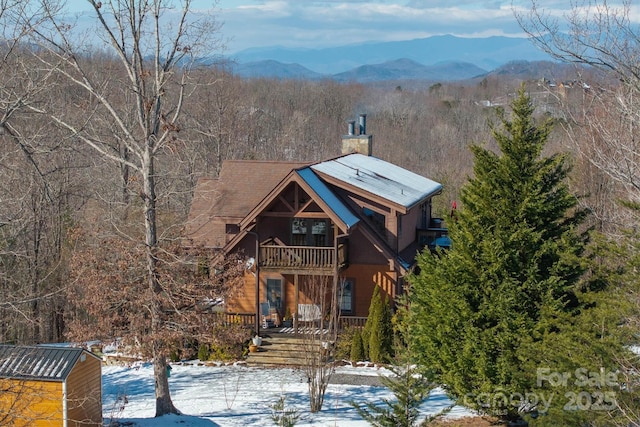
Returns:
<point x="248" y="320"/>
<point x="352" y="322"/>
<point x="307" y="257"/>
<point x="244" y="319"/>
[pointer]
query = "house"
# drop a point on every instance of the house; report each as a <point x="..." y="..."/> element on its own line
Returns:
<point x="50" y="386"/>
<point x="354" y="220"/>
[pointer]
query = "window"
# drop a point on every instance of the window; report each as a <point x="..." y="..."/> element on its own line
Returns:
<point x="274" y="293"/>
<point x="232" y="228"/>
<point x="319" y="231"/>
<point x="299" y="232"/>
<point x="345" y="295"/>
<point x="307" y="232"/>
<point x="299" y="226"/>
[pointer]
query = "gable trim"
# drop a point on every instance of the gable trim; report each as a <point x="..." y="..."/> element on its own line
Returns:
<point x="337" y="211"/>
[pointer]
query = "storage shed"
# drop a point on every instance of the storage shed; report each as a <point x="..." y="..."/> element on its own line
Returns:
<point x="50" y="386"/>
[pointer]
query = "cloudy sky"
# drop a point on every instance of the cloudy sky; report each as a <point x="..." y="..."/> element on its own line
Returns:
<point x="323" y="23"/>
<point x="316" y="23"/>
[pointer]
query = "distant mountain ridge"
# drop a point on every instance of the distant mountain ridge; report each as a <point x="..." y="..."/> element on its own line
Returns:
<point x="484" y="53"/>
<point x="400" y="69"/>
<point x="406" y="69"/>
<point x="274" y="69"/>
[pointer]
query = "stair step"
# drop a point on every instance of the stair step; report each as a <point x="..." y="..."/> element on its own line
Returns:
<point x="284" y="351"/>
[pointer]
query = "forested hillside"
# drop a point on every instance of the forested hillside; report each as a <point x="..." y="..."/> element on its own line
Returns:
<point x="104" y="139"/>
<point x="94" y="140"/>
<point x="53" y="183"/>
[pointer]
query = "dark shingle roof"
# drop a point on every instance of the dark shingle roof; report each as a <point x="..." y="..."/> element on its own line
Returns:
<point x="228" y="199"/>
<point x="38" y="362"/>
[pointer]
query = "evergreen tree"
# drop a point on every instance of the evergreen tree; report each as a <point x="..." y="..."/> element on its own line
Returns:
<point x="387" y="335"/>
<point x="357" y="349"/>
<point x="511" y="285"/>
<point x="378" y="331"/>
<point x="409" y="389"/>
<point x="408" y="385"/>
<point x="371" y="321"/>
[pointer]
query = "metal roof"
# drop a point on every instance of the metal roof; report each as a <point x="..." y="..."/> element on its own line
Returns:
<point x="378" y="177"/>
<point x="37" y="362"/>
<point x="334" y="203"/>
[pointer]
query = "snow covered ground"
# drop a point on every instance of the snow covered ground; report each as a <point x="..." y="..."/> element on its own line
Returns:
<point x="237" y="395"/>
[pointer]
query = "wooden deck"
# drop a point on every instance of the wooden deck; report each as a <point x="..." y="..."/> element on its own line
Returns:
<point x="303" y="259"/>
<point x="248" y="320"/>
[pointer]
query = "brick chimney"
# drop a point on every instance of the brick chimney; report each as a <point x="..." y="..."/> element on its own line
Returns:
<point x="360" y="142"/>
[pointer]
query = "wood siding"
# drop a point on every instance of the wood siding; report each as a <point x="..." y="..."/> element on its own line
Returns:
<point x="410" y="223"/>
<point x="31" y="403"/>
<point x="361" y="251"/>
<point x="366" y="277"/>
<point x="84" y="393"/>
<point x="27" y="403"/>
<point x="245" y="300"/>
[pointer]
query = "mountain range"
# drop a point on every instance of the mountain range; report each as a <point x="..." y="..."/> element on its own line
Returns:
<point x="434" y="58"/>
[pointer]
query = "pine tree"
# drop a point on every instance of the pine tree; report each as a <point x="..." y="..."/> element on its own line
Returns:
<point x="483" y="311"/>
<point x="387" y="334"/>
<point x="371" y="321"/>
<point x="357" y="349"/>
<point x="378" y="332"/>
<point x="409" y="386"/>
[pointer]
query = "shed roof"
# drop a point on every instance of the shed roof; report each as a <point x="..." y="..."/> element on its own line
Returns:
<point x="38" y="362"/>
<point x="375" y="176"/>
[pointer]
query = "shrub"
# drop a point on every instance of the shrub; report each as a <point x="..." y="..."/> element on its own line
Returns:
<point x="409" y="388"/>
<point x="283" y="416"/>
<point x="203" y="352"/>
<point x="357" y="349"/>
<point x="377" y="335"/>
<point x="342" y="349"/>
<point x="228" y="341"/>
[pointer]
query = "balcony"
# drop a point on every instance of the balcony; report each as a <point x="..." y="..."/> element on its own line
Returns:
<point x="303" y="259"/>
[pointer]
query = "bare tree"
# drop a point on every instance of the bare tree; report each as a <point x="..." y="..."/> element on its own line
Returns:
<point x="603" y="124"/>
<point x="35" y="188"/>
<point x="216" y="121"/>
<point x="110" y="298"/>
<point x="131" y="109"/>
<point x="320" y="333"/>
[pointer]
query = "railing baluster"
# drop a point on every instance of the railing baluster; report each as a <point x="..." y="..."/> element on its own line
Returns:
<point x="300" y="256"/>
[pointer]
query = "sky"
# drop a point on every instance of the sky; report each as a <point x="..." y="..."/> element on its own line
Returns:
<point x="328" y="23"/>
<point x="313" y="24"/>
<point x="231" y="395"/>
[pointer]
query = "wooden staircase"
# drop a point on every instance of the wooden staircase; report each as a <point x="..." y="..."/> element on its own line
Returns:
<point x="283" y="350"/>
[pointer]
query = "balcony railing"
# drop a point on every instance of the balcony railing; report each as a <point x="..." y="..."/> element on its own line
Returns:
<point x="302" y="257"/>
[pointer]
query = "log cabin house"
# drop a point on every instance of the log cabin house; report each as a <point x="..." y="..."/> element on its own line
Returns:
<point x="50" y="386"/>
<point x="355" y="220"/>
